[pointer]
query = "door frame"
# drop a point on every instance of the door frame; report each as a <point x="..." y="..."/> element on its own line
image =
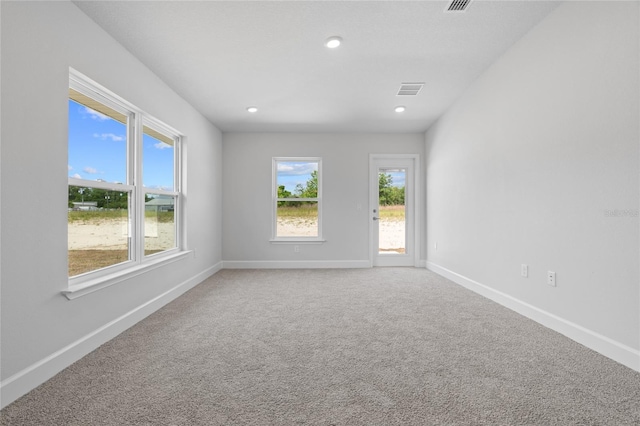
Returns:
<point x="415" y="210"/>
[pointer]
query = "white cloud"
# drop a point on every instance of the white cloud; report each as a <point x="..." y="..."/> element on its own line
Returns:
<point x="284" y="167"/>
<point x="296" y="169"/>
<point x="86" y="111"/>
<point x="76" y="176"/>
<point x="162" y="145"/>
<point x="161" y="187"/>
<point x="90" y="170"/>
<point x="105" y="136"/>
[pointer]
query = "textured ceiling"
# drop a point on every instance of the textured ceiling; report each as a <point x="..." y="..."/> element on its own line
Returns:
<point x="225" y="56"/>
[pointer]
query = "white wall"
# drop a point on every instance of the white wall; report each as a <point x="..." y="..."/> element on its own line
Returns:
<point x="526" y="166"/>
<point x="247" y="208"/>
<point x="42" y="331"/>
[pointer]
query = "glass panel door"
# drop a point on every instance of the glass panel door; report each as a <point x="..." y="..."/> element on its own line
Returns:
<point x="392" y="207"/>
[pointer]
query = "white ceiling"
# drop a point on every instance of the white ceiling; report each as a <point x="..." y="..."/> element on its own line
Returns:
<point x="223" y="56"/>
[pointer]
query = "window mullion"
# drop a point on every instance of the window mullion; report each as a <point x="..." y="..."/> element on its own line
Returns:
<point x="99" y="184"/>
<point x="298" y="199"/>
<point x="161" y="192"/>
<point x="136" y="170"/>
<point x="179" y="227"/>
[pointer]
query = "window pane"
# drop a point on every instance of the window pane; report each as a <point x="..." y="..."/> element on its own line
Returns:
<point x="159" y="223"/>
<point x="297" y="219"/>
<point x="97" y="141"/>
<point x="98" y="229"/>
<point x="392" y="224"/>
<point x="157" y="160"/>
<point x="297" y="179"/>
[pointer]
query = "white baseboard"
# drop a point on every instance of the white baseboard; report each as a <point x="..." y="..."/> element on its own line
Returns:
<point x="303" y="264"/>
<point x="295" y="264"/>
<point x="608" y="347"/>
<point x="28" y="379"/>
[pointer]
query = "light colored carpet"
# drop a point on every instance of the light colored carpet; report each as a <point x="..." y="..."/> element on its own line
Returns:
<point x="383" y="346"/>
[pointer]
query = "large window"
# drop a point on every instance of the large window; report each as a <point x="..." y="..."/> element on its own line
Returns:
<point x="297" y="199"/>
<point x="124" y="184"/>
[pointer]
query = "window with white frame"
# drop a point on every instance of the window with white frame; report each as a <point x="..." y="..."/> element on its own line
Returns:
<point x="297" y="199"/>
<point x="123" y="185"/>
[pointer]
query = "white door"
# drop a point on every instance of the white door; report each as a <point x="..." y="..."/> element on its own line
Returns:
<point x="392" y="210"/>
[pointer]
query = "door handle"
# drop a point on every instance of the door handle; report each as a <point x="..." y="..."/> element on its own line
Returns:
<point x="376" y="218"/>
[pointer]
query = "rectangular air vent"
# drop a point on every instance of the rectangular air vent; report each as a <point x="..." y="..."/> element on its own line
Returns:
<point x="458" y="5"/>
<point x="410" y="89"/>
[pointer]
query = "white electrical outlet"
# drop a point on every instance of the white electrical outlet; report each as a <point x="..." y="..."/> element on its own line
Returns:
<point x="296" y="249"/>
<point x="435" y="246"/>
<point x="524" y="270"/>
<point x="551" y="278"/>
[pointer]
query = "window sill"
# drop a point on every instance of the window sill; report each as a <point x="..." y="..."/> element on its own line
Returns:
<point x="293" y="240"/>
<point x="95" y="284"/>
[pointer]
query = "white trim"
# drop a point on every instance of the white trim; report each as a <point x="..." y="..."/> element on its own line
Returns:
<point x="83" y="84"/>
<point x="295" y="264"/>
<point x="88" y="286"/>
<point x="315" y="200"/>
<point x="606" y="346"/>
<point x="297" y="240"/>
<point x="24" y="381"/>
<point x="162" y="127"/>
<point x="111" y="186"/>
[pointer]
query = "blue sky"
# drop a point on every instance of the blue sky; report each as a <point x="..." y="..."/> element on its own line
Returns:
<point x="398" y="178"/>
<point x="98" y="150"/>
<point x="292" y="173"/>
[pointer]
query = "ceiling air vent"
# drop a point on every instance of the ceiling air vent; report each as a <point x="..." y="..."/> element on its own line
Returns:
<point x="458" y="6"/>
<point x="410" y="89"/>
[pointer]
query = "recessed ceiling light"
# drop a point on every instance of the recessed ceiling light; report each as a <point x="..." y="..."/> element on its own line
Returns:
<point x="252" y="109"/>
<point x="399" y="109"/>
<point x="333" y="42"/>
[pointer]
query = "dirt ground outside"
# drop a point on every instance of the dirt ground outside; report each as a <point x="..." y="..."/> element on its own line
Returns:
<point x="100" y="243"/>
